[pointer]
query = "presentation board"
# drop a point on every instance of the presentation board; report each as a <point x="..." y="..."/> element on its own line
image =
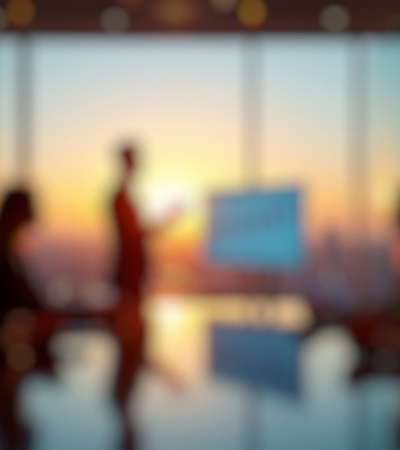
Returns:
<point x="257" y="230"/>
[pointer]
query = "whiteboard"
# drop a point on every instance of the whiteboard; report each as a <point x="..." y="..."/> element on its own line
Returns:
<point x="257" y="230"/>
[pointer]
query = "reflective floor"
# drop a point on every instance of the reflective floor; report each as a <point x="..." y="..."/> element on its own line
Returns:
<point x="204" y="411"/>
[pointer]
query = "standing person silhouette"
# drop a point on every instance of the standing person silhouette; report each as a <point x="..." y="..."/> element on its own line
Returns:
<point x="129" y="275"/>
<point x="131" y="262"/>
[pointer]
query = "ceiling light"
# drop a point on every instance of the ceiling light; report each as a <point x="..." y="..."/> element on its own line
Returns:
<point x="335" y="18"/>
<point x="177" y="12"/>
<point x="3" y="19"/>
<point x="21" y="12"/>
<point x="115" y="19"/>
<point x="252" y="13"/>
<point x="224" y="6"/>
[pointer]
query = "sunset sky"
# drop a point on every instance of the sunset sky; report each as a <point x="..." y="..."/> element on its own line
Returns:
<point x="180" y="99"/>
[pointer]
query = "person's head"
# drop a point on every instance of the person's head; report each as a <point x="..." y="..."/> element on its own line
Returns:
<point x="128" y="162"/>
<point x="16" y="211"/>
<point x="128" y="155"/>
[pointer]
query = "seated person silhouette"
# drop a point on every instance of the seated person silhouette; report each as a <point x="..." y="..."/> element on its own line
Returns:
<point x="14" y="288"/>
<point x="19" y="353"/>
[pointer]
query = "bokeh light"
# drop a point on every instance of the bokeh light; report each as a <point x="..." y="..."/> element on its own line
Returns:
<point x="177" y="12"/>
<point x="60" y="291"/>
<point x="252" y="13"/>
<point x="393" y="23"/>
<point x="98" y="295"/>
<point x="21" y="12"/>
<point x="3" y="19"/>
<point x="224" y="6"/>
<point x="294" y="314"/>
<point x="335" y="18"/>
<point x="21" y="357"/>
<point x="115" y="19"/>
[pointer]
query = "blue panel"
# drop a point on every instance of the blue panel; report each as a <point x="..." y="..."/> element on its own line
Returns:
<point x="257" y="230"/>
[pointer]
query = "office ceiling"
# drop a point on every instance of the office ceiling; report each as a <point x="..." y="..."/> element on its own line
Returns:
<point x="199" y="16"/>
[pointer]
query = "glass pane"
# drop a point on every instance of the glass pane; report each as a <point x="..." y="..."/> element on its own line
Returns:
<point x="7" y="110"/>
